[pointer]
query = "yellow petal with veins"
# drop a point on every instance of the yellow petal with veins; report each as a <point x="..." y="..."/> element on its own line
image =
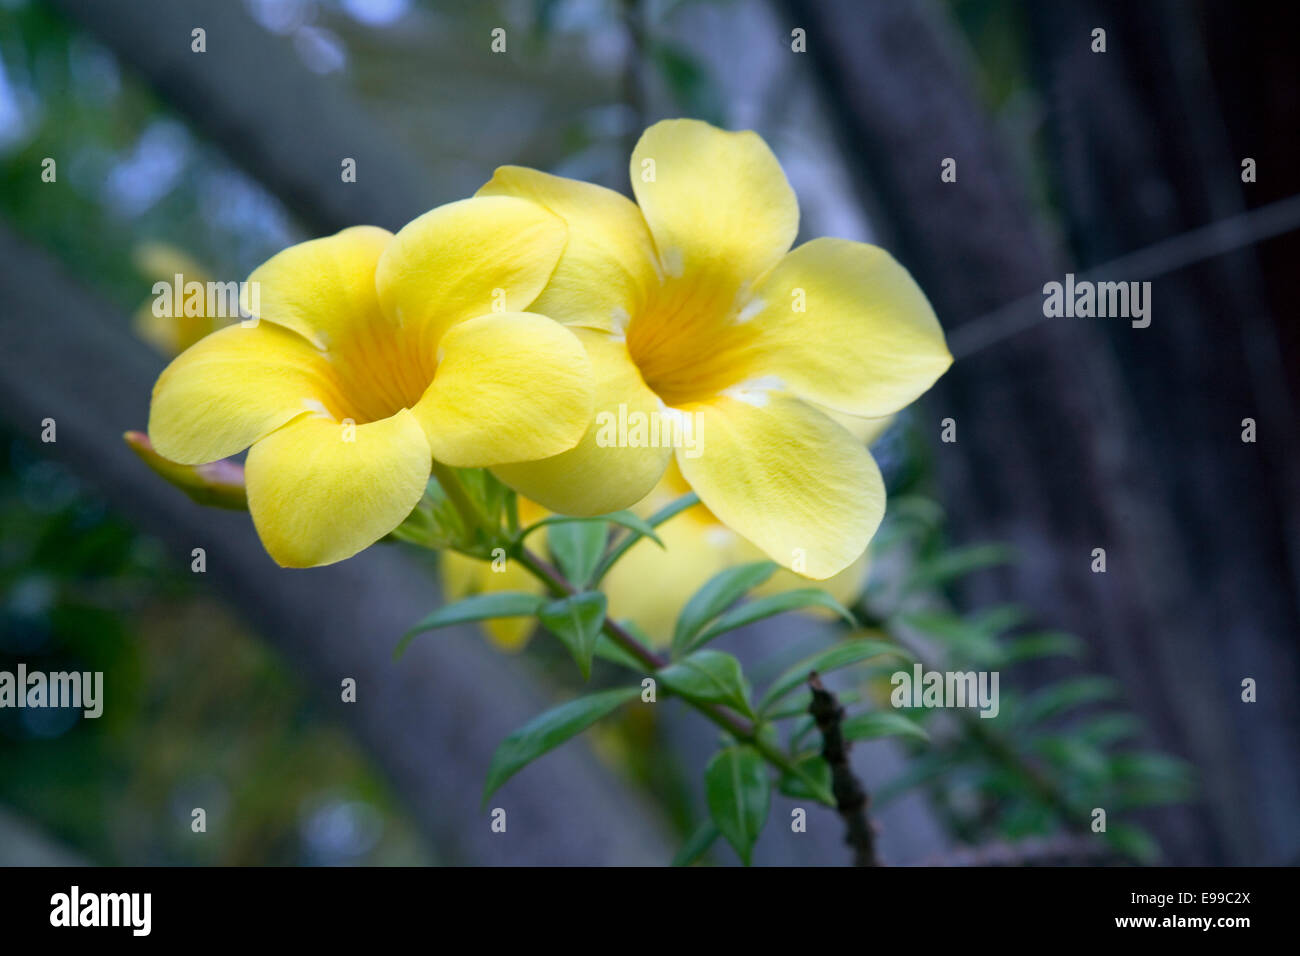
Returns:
<point x="510" y="386"/>
<point x="868" y="342"/>
<point x="228" y="390"/>
<point x="602" y="473"/>
<point x="323" y="289"/>
<point x="717" y="202"/>
<point x="607" y="269"/>
<point x="320" y="491"/>
<point x="465" y="259"/>
<point x="787" y="478"/>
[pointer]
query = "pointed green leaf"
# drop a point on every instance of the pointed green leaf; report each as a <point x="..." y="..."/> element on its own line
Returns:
<point x="688" y="500"/>
<point x="813" y="767"/>
<point x="1066" y="695"/>
<point x="577" y="547"/>
<point x="951" y="565"/>
<point x="773" y="604"/>
<point x="709" y="676"/>
<point x="1047" y="644"/>
<point x="838" y="655"/>
<point x="697" y="844"/>
<point x="881" y="724"/>
<point x="738" y="791"/>
<point x="576" y="620"/>
<point x="627" y="519"/>
<point x="480" y="607"/>
<point x="550" y="729"/>
<point x="720" y="592"/>
<point x="607" y="650"/>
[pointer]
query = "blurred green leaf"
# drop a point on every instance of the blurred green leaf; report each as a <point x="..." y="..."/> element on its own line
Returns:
<point x="1066" y="695"/>
<point x="882" y="724"/>
<point x="769" y="606"/>
<point x="697" y="844"/>
<point x="688" y="500"/>
<point x="813" y="767"/>
<point x="738" y="791"/>
<point x="480" y="607"/>
<point x="576" y="620"/>
<point x="577" y="547"/>
<point x="548" y="730"/>
<point x="710" y="676"/>
<point x="842" y="654"/>
<point x="718" y="593"/>
<point x="957" y="563"/>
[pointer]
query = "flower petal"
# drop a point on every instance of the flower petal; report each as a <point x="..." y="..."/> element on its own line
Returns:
<point x="320" y="491"/>
<point x="228" y="390"/>
<point x="716" y="202"/>
<point x="468" y="258"/>
<point x="783" y="475"/>
<point x="650" y="585"/>
<point x="323" y="289"/>
<point x="598" y="476"/>
<point x="868" y="344"/>
<point x="510" y="386"/>
<point x="607" y="269"/>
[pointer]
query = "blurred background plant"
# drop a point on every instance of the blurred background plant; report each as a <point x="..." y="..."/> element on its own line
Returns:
<point x="1071" y="438"/>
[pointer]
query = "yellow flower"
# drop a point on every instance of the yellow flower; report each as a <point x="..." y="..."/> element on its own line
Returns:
<point x="690" y="304"/>
<point x="650" y="585"/>
<point x="180" y="327"/>
<point x="376" y="354"/>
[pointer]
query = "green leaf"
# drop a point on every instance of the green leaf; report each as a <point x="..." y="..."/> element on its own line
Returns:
<point x="1106" y="729"/>
<point x="773" y="604"/>
<point x="882" y="724"/>
<point x="797" y="706"/>
<point x="548" y="730"/>
<point x="673" y="508"/>
<point x="1066" y="695"/>
<point x="841" y="654"/>
<point x="577" y="547"/>
<point x="720" y="592"/>
<point x="576" y="620"/>
<point x="951" y="565"/>
<point x="480" y="607"/>
<point x="1047" y="644"/>
<point x="697" y="844"/>
<point x="813" y="767"/>
<point x="738" y="791"/>
<point x="965" y="638"/>
<point x="639" y="526"/>
<point x="1133" y="842"/>
<point x="607" y="650"/>
<point x="709" y="676"/>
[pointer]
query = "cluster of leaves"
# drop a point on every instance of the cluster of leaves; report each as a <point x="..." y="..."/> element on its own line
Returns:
<point x="1054" y="754"/>
<point x="1038" y="769"/>
<point x="739" y="779"/>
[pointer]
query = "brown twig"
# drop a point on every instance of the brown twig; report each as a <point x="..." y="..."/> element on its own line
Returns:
<point x="850" y="797"/>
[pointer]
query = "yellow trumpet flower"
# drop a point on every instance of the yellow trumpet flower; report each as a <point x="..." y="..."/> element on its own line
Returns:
<point x="377" y="354"/>
<point x="693" y="309"/>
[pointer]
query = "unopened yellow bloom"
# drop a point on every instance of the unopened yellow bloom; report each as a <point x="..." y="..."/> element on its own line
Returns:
<point x="187" y="320"/>
<point x="690" y="303"/>
<point x="376" y="354"/>
<point x="650" y="585"/>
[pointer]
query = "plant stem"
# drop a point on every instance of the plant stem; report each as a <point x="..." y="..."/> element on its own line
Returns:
<point x="850" y="796"/>
<point x="739" y="728"/>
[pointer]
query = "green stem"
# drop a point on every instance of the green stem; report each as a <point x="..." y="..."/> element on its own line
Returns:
<point x="559" y="586"/>
<point x="737" y="727"/>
